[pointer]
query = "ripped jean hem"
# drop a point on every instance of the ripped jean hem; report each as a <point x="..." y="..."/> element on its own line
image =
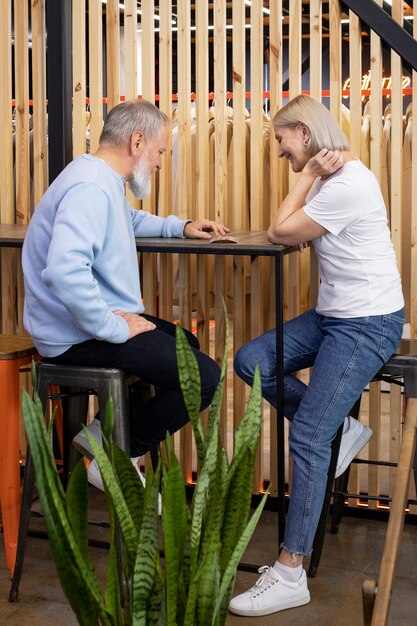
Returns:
<point x="295" y="554"/>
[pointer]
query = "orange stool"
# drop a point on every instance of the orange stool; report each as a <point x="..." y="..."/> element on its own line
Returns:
<point x="14" y="352"/>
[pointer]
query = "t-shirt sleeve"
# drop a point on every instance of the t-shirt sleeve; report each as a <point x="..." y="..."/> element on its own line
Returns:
<point x="336" y="205"/>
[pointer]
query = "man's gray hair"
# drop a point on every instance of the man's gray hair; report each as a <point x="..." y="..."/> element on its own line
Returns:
<point x="127" y="117"/>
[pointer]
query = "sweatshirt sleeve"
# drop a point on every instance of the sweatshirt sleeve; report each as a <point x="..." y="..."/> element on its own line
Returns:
<point x="79" y="233"/>
<point x="147" y="225"/>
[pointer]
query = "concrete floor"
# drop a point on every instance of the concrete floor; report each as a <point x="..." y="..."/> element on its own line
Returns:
<point x="348" y="558"/>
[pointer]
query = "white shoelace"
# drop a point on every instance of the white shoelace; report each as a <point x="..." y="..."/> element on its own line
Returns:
<point x="264" y="581"/>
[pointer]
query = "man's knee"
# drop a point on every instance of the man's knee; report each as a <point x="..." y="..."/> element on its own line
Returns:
<point x="242" y="365"/>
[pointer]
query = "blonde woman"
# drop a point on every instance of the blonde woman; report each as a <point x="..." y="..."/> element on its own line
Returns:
<point x="356" y="326"/>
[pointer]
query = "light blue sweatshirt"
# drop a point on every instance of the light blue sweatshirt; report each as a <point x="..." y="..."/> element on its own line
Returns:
<point x="80" y="260"/>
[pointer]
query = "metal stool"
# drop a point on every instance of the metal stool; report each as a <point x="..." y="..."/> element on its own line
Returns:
<point x="401" y="366"/>
<point x="102" y="382"/>
<point x="14" y="352"/>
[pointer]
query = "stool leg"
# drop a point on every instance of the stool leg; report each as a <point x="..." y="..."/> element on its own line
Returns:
<point x="321" y="528"/>
<point x="10" y="456"/>
<point x="25" y="507"/>
<point x="75" y="410"/>
<point x="25" y="510"/>
<point x="396" y="517"/>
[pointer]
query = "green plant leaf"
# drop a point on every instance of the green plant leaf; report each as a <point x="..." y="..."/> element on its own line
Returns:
<point x="131" y="486"/>
<point x="190" y="381"/>
<point x="147" y="551"/>
<point x="77" y="508"/>
<point x="112" y="486"/>
<point x="241" y="544"/>
<point x="175" y="529"/>
<point x="78" y="581"/>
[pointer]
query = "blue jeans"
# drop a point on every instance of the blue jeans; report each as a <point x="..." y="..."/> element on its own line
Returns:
<point x="346" y="354"/>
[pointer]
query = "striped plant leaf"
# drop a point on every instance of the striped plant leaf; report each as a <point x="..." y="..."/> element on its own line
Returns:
<point x="208" y="588"/>
<point x="113" y="594"/>
<point x="77" y="508"/>
<point x="200" y="498"/>
<point x="175" y="528"/>
<point x="230" y="571"/>
<point x="112" y="486"/>
<point x="190" y="381"/>
<point x="78" y="581"/>
<point x="147" y="554"/>
<point x="131" y="486"/>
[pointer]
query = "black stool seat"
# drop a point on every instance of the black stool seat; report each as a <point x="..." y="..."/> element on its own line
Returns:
<point x="102" y="382"/>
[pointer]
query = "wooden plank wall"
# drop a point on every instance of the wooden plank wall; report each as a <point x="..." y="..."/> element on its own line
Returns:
<point x="222" y="159"/>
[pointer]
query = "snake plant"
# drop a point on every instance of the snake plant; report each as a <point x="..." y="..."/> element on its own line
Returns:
<point x="190" y="581"/>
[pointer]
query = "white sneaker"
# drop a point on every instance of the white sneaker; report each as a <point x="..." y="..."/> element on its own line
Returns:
<point x="353" y="440"/>
<point x="271" y="593"/>
<point x="81" y="443"/>
<point x="94" y="478"/>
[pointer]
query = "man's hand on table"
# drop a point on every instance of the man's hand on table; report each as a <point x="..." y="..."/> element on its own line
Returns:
<point x="204" y="229"/>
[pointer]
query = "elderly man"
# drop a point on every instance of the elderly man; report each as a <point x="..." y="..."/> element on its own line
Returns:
<point x="83" y="303"/>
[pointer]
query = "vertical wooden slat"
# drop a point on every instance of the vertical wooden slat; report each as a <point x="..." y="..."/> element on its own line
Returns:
<point x="294" y="73"/>
<point x="148" y="76"/>
<point x="278" y="184"/>
<point x="256" y="104"/>
<point x="375" y="441"/>
<point x="355" y="68"/>
<point x="220" y="143"/>
<point x="202" y="166"/>
<point x="21" y="73"/>
<point x="95" y="52"/>
<point x="397" y="134"/>
<point x="237" y="217"/>
<point x="184" y="118"/>
<point x="316" y="32"/>
<point x="131" y="52"/>
<point x="165" y="103"/>
<point x="6" y="179"/>
<point x="78" y="78"/>
<point x="131" y="68"/>
<point x="376" y="104"/>
<point x="256" y="181"/>
<point x="40" y="165"/>
<point x="335" y="60"/>
<point x="166" y="286"/>
<point x="112" y="53"/>
<point x="413" y="299"/>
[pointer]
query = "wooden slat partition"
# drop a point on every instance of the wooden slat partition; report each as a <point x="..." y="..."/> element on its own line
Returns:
<point x="248" y="184"/>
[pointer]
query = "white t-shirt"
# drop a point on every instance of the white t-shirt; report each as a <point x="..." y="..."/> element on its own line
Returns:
<point x="357" y="263"/>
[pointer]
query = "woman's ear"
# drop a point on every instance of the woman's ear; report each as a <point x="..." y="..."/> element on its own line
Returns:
<point x="306" y="132"/>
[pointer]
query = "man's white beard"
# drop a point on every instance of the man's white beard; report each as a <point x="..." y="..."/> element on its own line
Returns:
<point x="140" y="185"/>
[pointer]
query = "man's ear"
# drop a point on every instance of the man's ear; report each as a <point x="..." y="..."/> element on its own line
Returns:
<point x="137" y="142"/>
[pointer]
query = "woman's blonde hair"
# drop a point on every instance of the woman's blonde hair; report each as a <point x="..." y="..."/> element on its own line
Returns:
<point x="324" y="131"/>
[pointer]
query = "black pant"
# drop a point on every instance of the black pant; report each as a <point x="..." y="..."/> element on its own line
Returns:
<point x="150" y="356"/>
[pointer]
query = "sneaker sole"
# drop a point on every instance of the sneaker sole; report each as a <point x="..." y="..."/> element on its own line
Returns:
<point x="291" y="604"/>
<point x="354" y="450"/>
